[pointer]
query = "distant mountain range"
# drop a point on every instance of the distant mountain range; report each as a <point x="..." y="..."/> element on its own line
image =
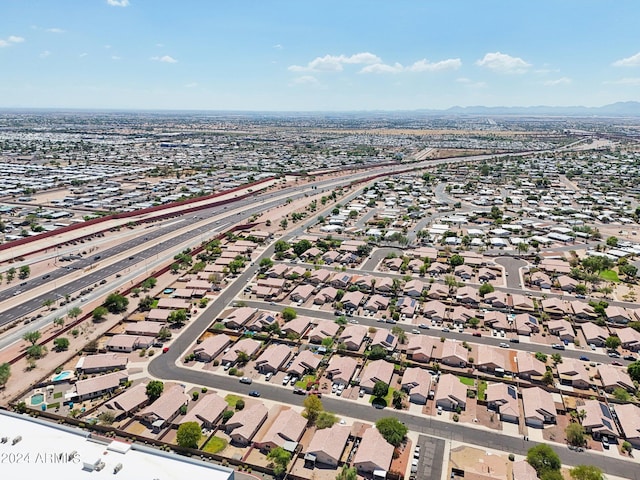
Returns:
<point x="618" y="109"/>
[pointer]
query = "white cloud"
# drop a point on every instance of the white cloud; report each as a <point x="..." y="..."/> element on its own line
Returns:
<point x="191" y="85"/>
<point x="305" y="80"/>
<point x="382" y="68"/>
<point x="165" y="59"/>
<point x="55" y="30"/>
<point x="10" y="40"/>
<point x="632" y="61"/>
<point x="420" y="66"/>
<point x="118" y="3"/>
<point x="632" y="81"/>
<point x="278" y="47"/>
<point x="503" y="63"/>
<point x="470" y="83"/>
<point x="115" y="57"/>
<point x="45" y="54"/>
<point x="83" y="54"/>
<point x="333" y="63"/>
<point x="559" y="81"/>
<point x="426" y="66"/>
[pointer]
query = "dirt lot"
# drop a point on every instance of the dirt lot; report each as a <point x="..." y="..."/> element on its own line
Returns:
<point x="481" y="462"/>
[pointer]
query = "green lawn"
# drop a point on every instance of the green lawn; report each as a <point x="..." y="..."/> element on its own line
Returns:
<point x="53" y="405"/>
<point x="609" y="276"/>
<point x="232" y="399"/>
<point x="215" y="445"/>
<point x="482" y="388"/>
<point x="154" y="304"/>
<point x="469" y="382"/>
<point x="388" y="398"/>
<point x="303" y="382"/>
<point x="57" y="395"/>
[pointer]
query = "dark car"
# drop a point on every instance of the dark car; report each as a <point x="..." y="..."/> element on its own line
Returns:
<point x="44" y="277"/>
<point x="477" y="334"/>
<point x="584" y="358"/>
<point x="254" y="393"/>
<point x="630" y="357"/>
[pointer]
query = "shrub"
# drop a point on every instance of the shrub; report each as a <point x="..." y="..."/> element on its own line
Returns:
<point x="216" y="363"/>
<point x="512" y="457"/>
<point x="233" y="371"/>
<point x="455" y="417"/>
<point x="204" y="390"/>
<point x="240" y="404"/>
<point x="195" y="395"/>
<point x="152" y="353"/>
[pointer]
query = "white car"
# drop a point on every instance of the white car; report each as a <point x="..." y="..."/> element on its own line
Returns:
<point x="504" y="345"/>
<point x="334" y="388"/>
<point x="286" y="379"/>
<point x="416" y="331"/>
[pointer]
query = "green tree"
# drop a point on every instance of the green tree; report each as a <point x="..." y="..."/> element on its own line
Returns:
<point x="628" y="270"/>
<point x="380" y="389"/>
<point x="456" y="260"/>
<point x="621" y="394"/>
<point x="547" y="378"/>
<point x="24" y="272"/>
<point x="347" y="473"/>
<point x="189" y="435"/>
<point x="116" y="303"/>
<point x="266" y="263"/>
<point x="543" y="459"/>
<point x="58" y="322"/>
<point x="47" y="303"/>
<point x="312" y="408"/>
<point x="36" y="351"/>
<point x="302" y="246"/>
<point x="474" y="322"/>
<point x="146" y="303"/>
<point x="281" y="246"/>
<point x="280" y="458"/>
<point x="11" y="274"/>
<point x="586" y="472"/>
<point x="541" y="356"/>
<point x="575" y="434"/>
<point x="581" y="289"/>
<point x="634" y="371"/>
<point x="154" y="389"/>
<point x="5" y="373"/>
<point x="556" y="358"/>
<point x="164" y="334"/>
<point x="177" y="317"/>
<point x="149" y="283"/>
<point x="99" y="314"/>
<point x="485" y="288"/>
<point x="392" y="430"/>
<point x="32" y="337"/>
<point x="326" y="420"/>
<point x="612" y="241"/>
<point x="377" y="352"/>
<point x="612" y="342"/>
<point x="400" y="334"/>
<point x="398" y="399"/>
<point x="61" y="343"/>
<point x="288" y="314"/>
<point x="75" y="312"/>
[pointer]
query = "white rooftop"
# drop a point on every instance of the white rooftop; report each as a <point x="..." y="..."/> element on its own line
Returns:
<point x="46" y="450"/>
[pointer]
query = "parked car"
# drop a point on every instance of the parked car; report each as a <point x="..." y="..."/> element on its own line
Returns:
<point x="504" y="345"/>
<point x="334" y="388"/>
<point x="605" y="443"/>
<point x="254" y="393"/>
<point x="286" y="379"/>
<point x="445" y="330"/>
<point x="268" y="376"/>
<point x="476" y="334"/>
<point x="514" y="340"/>
<point x="415" y="331"/>
<point x="616" y="363"/>
<point x="246" y="380"/>
<point x="584" y="358"/>
<point x="424" y="325"/>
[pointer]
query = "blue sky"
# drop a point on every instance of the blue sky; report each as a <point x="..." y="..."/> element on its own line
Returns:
<point x="317" y="55"/>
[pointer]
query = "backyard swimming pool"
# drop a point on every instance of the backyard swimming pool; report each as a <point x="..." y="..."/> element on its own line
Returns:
<point x="37" y="398"/>
<point x="62" y="376"/>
